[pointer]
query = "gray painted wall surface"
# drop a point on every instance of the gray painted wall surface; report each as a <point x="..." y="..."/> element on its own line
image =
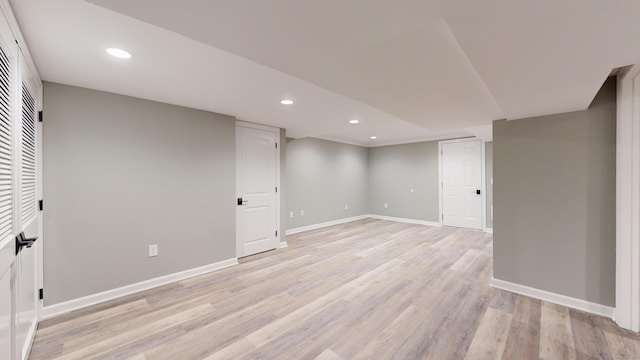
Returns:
<point x="323" y="176"/>
<point x="394" y="171"/>
<point x="121" y="173"/>
<point x="554" y="195"/>
<point x="488" y="157"/>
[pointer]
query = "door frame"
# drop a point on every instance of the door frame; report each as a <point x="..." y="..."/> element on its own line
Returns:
<point x="279" y="140"/>
<point x="483" y="185"/>
<point x="627" y="308"/>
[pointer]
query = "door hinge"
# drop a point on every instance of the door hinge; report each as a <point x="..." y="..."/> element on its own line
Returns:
<point x="276" y="145"/>
<point x="40" y="116"/>
<point x="276" y="189"/>
<point x="41" y="205"/>
<point x="442" y="216"/>
<point x="276" y="233"/>
<point x="41" y="293"/>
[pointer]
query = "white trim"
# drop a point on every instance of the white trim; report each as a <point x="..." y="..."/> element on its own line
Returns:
<point x="488" y="230"/>
<point x="483" y="183"/>
<point x="283" y="244"/>
<point x="559" y="299"/>
<point x="251" y="125"/>
<point x="325" y="224"/>
<point x="75" y="304"/>
<point x="405" y="220"/>
<point x="26" y="350"/>
<point x="627" y="313"/>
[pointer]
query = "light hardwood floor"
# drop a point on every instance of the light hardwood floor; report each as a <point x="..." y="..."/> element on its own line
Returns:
<point x="369" y="289"/>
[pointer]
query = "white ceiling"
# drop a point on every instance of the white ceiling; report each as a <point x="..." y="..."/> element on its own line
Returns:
<point x="409" y="70"/>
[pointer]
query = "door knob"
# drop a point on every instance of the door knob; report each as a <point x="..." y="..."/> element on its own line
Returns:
<point x="477" y="192"/>
<point x="22" y="241"/>
<point x="242" y="202"/>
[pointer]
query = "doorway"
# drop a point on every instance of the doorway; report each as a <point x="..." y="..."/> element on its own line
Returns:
<point x="257" y="183"/>
<point x="461" y="194"/>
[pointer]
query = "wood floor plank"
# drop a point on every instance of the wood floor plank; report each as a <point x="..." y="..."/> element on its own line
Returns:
<point x="491" y="337"/>
<point x="235" y="350"/>
<point x="622" y="347"/>
<point x="556" y="336"/>
<point x="523" y="341"/>
<point x="588" y="338"/>
<point x="365" y="289"/>
<point x="328" y="355"/>
<point x="134" y="334"/>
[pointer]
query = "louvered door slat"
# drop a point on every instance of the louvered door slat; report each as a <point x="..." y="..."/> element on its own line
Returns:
<point x="28" y="158"/>
<point x="6" y="161"/>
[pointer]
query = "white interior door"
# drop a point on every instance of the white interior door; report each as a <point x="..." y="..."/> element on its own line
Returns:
<point x="27" y="213"/>
<point x="257" y="160"/>
<point x="20" y="100"/>
<point x="462" y="183"/>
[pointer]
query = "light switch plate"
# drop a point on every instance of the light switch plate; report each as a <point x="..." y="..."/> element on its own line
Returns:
<point x="153" y="250"/>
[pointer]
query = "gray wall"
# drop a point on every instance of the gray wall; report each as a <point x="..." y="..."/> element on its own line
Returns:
<point x="323" y="176"/>
<point x="554" y="200"/>
<point x="488" y="157"/>
<point x="121" y="173"/>
<point x="394" y="171"/>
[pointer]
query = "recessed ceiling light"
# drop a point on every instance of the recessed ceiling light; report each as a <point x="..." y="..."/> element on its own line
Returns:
<point x="354" y="121"/>
<point x="373" y="137"/>
<point x="286" y="102"/>
<point x="119" y="53"/>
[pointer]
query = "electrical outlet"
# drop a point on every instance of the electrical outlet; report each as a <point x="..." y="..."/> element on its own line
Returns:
<point x="386" y="205"/>
<point x="301" y="212"/>
<point x="291" y="214"/>
<point x="346" y="206"/>
<point x="153" y="250"/>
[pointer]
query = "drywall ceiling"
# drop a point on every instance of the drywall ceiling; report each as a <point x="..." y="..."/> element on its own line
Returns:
<point x="407" y="69"/>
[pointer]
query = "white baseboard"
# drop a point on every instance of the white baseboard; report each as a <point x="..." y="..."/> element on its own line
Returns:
<point x="488" y="230"/>
<point x="75" y="304"/>
<point x="325" y="224"/>
<point x="563" y="300"/>
<point x="283" y="244"/>
<point x="410" y="221"/>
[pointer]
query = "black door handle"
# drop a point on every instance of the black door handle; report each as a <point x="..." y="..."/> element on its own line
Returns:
<point x="242" y="202"/>
<point x="477" y="192"/>
<point x="22" y="241"/>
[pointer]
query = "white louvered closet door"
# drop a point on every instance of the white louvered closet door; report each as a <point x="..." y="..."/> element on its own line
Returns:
<point x="26" y="195"/>
<point x="8" y="261"/>
<point x="20" y="189"/>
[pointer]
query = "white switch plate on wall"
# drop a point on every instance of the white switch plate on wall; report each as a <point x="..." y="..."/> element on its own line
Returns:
<point x="291" y="214"/>
<point x="386" y="205"/>
<point x="346" y="206"/>
<point x="153" y="250"/>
